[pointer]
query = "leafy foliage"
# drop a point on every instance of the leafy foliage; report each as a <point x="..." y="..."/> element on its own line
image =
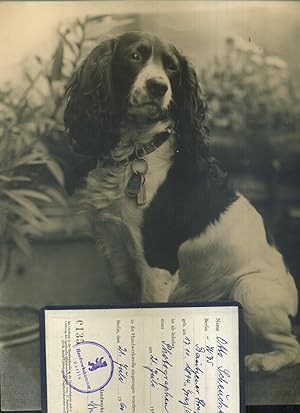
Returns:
<point x="250" y="91"/>
<point x="31" y="123"/>
<point x="21" y="200"/>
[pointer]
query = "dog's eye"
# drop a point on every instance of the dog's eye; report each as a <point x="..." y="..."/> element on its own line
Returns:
<point x="135" y="56"/>
<point x="171" y="66"/>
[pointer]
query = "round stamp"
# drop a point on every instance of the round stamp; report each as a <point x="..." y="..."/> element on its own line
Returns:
<point x="90" y="367"/>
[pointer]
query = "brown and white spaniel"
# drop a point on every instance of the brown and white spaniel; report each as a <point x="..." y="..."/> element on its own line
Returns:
<point x="162" y="210"/>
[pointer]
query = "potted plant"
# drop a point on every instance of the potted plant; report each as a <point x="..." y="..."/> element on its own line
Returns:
<point x="33" y="154"/>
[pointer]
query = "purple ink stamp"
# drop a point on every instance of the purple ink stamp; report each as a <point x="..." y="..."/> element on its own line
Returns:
<point x="90" y="367"/>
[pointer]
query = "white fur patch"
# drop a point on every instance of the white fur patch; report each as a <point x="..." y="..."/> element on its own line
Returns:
<point x="229" y="250"/>
<point x="106" y="192"/>
<point x="156" y="283"/>
<point x="232" y="260"/>
<point x="139" y="89"/>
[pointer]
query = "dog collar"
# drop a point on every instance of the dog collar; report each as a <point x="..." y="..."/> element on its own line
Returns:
<point x="152" y="145"/>
<point x="139" y="166"/>
<point x="142" y="149"/>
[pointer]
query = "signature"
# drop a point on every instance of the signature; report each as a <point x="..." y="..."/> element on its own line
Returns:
<point x="92" y="406"/>
<point x="223" y="379"/>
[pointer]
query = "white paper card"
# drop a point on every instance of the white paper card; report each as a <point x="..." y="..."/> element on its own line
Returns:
<point x="156" y="360"/>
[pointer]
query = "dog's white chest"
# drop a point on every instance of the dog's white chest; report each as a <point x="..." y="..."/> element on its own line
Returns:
<point x="159" y="163"/>
<point x="106" y="192"/>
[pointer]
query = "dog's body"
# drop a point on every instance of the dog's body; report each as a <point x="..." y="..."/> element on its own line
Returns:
<point x="162" y="210"/>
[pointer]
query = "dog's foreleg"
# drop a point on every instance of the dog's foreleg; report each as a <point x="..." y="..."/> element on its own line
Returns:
<point x="268" y="305"/>
<point x="115" y="243"/>
<point x="157" y="285"/>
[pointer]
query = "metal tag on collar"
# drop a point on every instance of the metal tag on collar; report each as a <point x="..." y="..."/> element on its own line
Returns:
<point x="134" y="185"/>
<point x="139" y="168"/>
<point x="136" y="188"/>
<point x="141" y="196"/>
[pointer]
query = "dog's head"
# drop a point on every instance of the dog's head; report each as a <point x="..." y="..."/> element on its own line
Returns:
<point x="135" y="77"/>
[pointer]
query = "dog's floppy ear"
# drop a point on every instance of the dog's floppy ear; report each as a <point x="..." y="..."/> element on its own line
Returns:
<point x="90" y="113"/>
<point x="190" y="111"/>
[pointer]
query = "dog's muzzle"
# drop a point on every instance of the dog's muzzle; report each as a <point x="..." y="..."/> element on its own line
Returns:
<point x="156" y="88"/>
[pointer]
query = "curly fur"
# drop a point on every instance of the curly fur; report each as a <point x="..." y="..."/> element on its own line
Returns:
<point x="91" y="114"/>
<point x="191" y="112"/>
<point x="193" y="225"/>
<point x="93" y="111"/>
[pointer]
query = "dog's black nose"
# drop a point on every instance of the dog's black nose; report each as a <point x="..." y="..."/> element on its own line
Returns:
<point x="156" y="87"/>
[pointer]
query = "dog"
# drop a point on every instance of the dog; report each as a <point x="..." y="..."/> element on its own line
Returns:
<point x="162" y="209"/>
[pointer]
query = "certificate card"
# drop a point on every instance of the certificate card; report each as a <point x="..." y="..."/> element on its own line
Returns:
<point x="174" y="359"/>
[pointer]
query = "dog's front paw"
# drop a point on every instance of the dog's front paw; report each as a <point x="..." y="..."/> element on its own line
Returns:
<point x="157" y="285"/>
<point x="270" y="362"/>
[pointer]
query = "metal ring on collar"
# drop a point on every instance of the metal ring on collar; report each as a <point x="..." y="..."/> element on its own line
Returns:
<point x="139" y="166"/>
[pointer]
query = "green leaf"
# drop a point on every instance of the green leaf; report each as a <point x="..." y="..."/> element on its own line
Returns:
<point x="32" y="194"/>
<point x="56" y="171"/>
<point x="26" y="203"/>
<point x="21" y="178"/>
<point x="5" y="178"/>
<point x="58" y="61"/>
<point x="14" y="178"/>
<point x="23" y="216"/>
<point x="21" y="241"/>
<point x="30" y="159"/>
<point x="57" y="196"/>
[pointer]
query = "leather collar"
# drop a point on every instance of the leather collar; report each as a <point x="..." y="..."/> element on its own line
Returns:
<point x="146" y="148"/>
<point x="153" y="144"/>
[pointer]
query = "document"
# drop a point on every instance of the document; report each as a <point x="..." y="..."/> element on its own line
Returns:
<point x="162" y="359"/>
